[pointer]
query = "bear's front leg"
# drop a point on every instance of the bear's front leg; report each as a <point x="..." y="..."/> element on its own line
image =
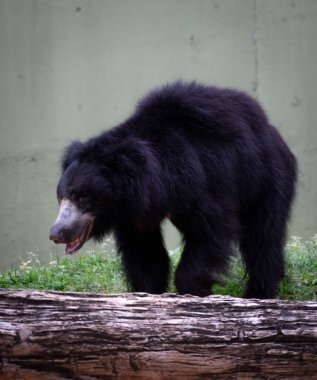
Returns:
<point x="202" y="260"/>
<point x="144" y="257"/>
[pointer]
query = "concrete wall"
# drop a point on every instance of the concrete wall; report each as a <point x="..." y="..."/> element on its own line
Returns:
<point x="70" y="68"/>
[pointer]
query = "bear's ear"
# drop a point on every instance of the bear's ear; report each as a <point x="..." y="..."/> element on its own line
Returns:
<point x="129" y="155"/>
<point x="71" y="153"/>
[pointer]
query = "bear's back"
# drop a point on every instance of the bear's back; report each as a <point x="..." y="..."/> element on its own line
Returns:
<point x="194" y="107"/>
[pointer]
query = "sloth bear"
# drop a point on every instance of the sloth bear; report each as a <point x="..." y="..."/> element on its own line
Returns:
<point x="207" y="159"/>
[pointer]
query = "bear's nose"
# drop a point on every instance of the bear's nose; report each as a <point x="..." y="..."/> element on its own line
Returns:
<point x="57" y="234"/>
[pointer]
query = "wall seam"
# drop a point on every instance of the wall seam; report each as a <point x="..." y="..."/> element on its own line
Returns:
<point x="255" y="84"/>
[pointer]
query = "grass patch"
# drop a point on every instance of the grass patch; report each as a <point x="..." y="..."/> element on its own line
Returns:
<point x="91" y="273"/>
<point x="102" y="272"/>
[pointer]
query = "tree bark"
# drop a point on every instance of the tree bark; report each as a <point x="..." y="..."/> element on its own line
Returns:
<point x="55" y="336"/>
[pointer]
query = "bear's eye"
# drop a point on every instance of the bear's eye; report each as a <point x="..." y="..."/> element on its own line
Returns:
<point x="78" y="197"/>
<point x="81" y="199"/>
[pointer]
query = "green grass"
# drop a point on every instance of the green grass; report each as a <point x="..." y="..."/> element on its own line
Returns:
<point x="300" y="282"/>
<point x="102" y="272"/>
<point x="91" y="273"/>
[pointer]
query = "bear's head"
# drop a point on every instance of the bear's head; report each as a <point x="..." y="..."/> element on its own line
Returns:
<point x="102" y="184"/>
<point x="85" y="197"/>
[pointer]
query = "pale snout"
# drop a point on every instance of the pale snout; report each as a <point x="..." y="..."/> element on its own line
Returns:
<point x="72" y="227"/>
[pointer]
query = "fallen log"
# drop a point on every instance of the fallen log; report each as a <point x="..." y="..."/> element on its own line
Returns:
<point x="55" y="336"/>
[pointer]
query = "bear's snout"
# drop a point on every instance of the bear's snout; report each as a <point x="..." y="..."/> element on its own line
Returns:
<point x="57" y="234"/>
<point x="72" y="227"/>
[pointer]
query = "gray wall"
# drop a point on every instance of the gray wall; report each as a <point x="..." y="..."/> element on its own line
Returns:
<point x="70" y="68"/>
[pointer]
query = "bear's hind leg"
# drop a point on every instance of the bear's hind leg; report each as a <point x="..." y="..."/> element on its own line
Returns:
<point x="145" y="259"/>
<point x="261" y="246"/>
<point x="264" y="225"/>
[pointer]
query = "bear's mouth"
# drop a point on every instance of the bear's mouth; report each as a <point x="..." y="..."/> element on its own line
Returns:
<point x="76" y="244"/>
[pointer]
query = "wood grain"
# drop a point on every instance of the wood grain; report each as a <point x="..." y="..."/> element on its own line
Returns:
<point x="55" y="336"/>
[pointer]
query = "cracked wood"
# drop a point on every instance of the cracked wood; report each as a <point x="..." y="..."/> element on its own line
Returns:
<point x="56" y="335"/>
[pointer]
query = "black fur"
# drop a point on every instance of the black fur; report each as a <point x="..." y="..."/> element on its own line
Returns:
<point x="209" y="160"/>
